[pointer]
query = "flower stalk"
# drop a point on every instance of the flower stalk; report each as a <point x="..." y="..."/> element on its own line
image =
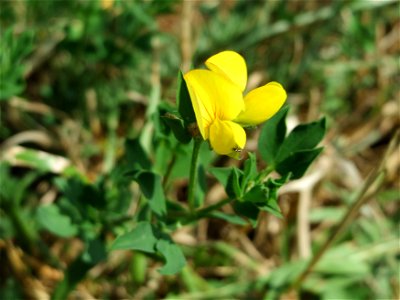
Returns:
<point x="193" y="173"/>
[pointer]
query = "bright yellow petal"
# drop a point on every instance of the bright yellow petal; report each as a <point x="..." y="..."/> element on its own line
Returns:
<point x="262" y="103"/>
<point x="203" y="109"/>
<point x="231" y="65"/>
<point x="227" y="137"/>
<point x="212" y="97"/>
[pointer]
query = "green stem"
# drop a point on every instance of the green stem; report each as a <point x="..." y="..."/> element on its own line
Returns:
<point x="193" y="173"/>
<point x="26" y="232"/>
<point x="202" y="213"/>
<point x="169" y="168"/>
<point x="264" y="173"/>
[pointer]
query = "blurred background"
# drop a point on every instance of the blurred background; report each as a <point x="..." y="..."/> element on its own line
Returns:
<point x="78" y="78"/>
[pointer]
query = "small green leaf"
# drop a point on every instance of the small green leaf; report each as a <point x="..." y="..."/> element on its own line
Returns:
<point x="183" y="101"/>
<point x="298" y="162"/>
<point x="177" y="127"/>
<point x="272" y="136"/>
<point x="143" y="238"/>
<point x="272" y="207"/>
<point x="327" y="214"/>
<point x="233" y="187"/>
<point x="151" y="186"/>
<point x="174" y="258"/>
<point x="303" y="137"/>
<point x="95" y="251"/>
<point x="135" y="155"/>
<point x="249" y="170"/>
<point x="50" y="217"/>
<point x="257" y="194"/>
<point x="248" y="210"/>
<point x="265" y="197"/>
<point x="230" y="178"/>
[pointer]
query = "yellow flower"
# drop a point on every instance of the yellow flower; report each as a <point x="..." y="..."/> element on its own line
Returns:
<point x="219" y="105"/>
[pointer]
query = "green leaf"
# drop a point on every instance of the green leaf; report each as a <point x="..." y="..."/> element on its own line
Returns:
<point x="40" y="160"/>
<point x="265" y="197"/>
<point x="342" y="265"/>
<point x="257" y="194"/>
<point x="151" y="186"/>
<point x="233" y="187"/>
<point x="14" y="48"/>
<point x="183" y="101"/>
<point x="95" y="251"/>
<point x="285" y="274"/>
<point x="302" y="137"/>
<point x="174" y="258"/>
<point x="50" y="217"/>
<point x="13" y="189"/>
<point x="143" y="238"/>
<point x="249" y="170"/>
<point x="327" y="214"/>
<point x="248" y="210"/>
<point x="297" y="163"/>
<point x="135" y="156"/>
<point x="272" y="186"/>
<point x="230" y="178"/>
<point x="178" y="128"/>
<point x="272" y="207"/>
<point x="272" y="136"/>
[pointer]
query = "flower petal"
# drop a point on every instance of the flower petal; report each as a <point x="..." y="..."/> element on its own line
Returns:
<point x="227" y="137"/>
<point x="231" y="65"/>
<point x="262" y="103"/>
<point x="212" y="97"/>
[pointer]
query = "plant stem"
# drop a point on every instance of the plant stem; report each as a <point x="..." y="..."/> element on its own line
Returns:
<point x="264" y="173"/>
<point x="169" y="168"/>
<point x="193" y="173"/>
<point x="28" y="235"/>
<point x="202" y="213"/>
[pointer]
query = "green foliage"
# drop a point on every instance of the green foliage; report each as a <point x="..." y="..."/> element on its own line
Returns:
<point x="13" y="51"/>
<point x="181" y="126"/>
<point x="51" y="219"/>
<point x="272" y="136"/>
<point x="150" y="184"/>
<point x="183" y="101"/>
<point x="145" y="237"/>
<point x="250" y="191"/>
<point x="178" y="128"/>
<point x="294" y="153"/>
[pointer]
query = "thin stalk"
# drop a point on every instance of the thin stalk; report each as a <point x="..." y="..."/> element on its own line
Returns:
<point x="264" y="174"/>
<point x="26" y="232"/>
<point x="169" y="169"/>
<point x="203" y="212"/>
<point x="193" y="173"/>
